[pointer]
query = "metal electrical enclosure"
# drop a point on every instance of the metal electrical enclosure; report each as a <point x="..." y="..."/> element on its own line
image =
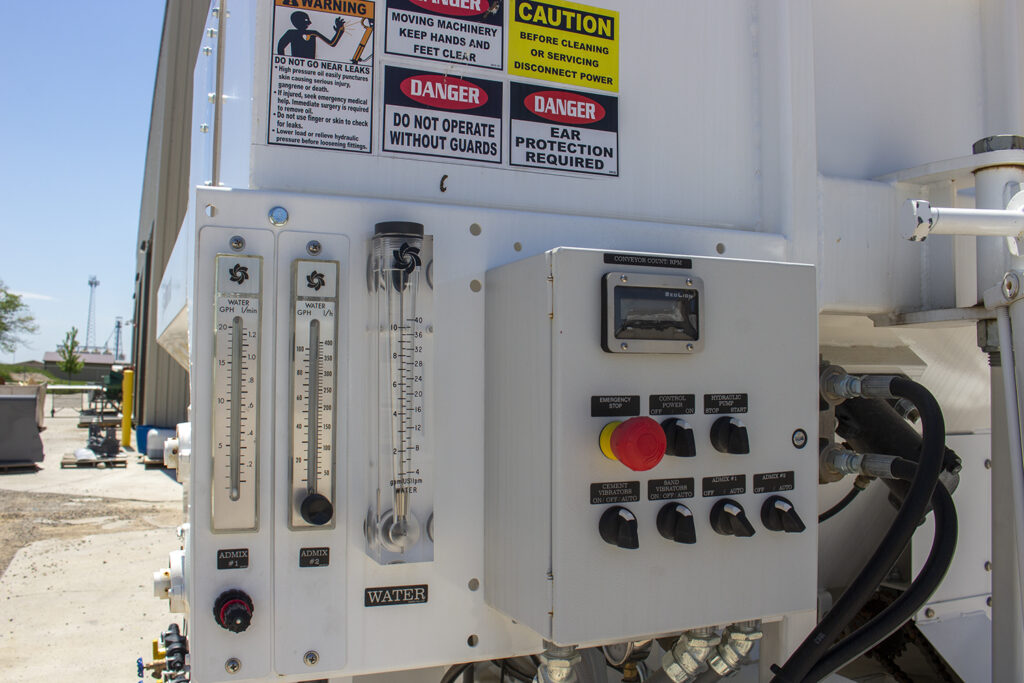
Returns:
<point x="551" y="388"/>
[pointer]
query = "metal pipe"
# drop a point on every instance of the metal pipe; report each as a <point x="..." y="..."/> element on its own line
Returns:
<point x="924" y="220"/>
<point x="1016" y="453"/>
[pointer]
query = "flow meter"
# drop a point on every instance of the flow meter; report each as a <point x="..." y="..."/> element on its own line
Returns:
<point x="399" y="524"/>
<point x="236" y="387"/>
<point x="314" y="395"/>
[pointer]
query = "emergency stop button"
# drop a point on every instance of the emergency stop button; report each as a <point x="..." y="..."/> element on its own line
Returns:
<point x="638" y="443"/>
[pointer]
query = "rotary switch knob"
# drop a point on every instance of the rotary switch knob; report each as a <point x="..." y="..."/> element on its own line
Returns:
<point x="618" y="527"/>
<point x="729" y="435"/>
<point x="675" y="522"/>
<point x="778" y="514"/>
<point x="678" y="438"/>
<point x="233" y="611"/>
<point x="729" y="519"/>
<point x="638" y="443"/>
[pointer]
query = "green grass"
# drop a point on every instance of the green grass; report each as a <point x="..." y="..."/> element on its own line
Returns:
<point x="7" y="369"/>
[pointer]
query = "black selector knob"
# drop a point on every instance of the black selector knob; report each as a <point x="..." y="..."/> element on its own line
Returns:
<point x="675" y="522"/>
<point x="678" y="438"/>
<point x="233" y="610"/>
<point x="728" y="435"/>
<point x="618" y="528"/>
<point x="316" y="509"/>
<point x="778" y="514"/>
<point x="728" y="519"/>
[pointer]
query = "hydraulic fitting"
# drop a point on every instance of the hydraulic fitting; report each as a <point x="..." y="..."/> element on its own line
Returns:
<point x="836" y="385"/>
<point x="837" y="460"/>
<point x="558" y="664"/>
<point x="734" y="650"/>
<point x="687" y="658"/>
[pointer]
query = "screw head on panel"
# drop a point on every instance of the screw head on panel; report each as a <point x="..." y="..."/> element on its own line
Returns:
<point x="237" y="243"/>
<point x="623" y="278"/>
<point x="929" y="613"/>
<point x="799" y="438"/>
<point x="232" y="666"/>
<point x="1011" y="286"/>
<point x="278" y="216"/>
<point x="313" y="247"/>
<point x="311" y="658"/>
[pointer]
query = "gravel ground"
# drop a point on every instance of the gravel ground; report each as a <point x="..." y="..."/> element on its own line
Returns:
<point x="78" y="548"/>
<point x="29" y="517"/>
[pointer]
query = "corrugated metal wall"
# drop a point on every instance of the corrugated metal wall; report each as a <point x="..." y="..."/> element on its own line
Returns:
<point x="161" y="384"/>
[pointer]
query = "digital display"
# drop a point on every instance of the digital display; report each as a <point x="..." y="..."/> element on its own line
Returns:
<point x="656" y="313"/>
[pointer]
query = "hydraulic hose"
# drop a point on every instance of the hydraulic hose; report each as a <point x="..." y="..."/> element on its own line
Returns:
<point x="453" y="672"/>
<point x="840" y="506"/>
<point x="889" y="620"/>
<point x="817" y="643"/>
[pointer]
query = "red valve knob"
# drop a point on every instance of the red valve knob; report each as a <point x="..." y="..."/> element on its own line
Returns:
<point x="638" y="443"/>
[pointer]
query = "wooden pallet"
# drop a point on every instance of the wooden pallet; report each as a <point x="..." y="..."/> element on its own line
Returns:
<point x="24" y="465"/>
<point x="101" y="420"/>
<point x="71" y="461"/>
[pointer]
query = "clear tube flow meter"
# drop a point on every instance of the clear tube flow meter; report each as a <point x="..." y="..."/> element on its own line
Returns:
<point x="399" y="525"/>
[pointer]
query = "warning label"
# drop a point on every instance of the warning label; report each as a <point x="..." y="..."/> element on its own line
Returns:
<point x="565" y="43"/>
<point x="431" y="114"/>
<point x="321" y="76"/>
<point x="459" y="31"/>
<point x="563" y="130"/>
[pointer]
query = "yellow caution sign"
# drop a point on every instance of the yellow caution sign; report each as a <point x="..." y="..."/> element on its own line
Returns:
<point x="565" y="43"/>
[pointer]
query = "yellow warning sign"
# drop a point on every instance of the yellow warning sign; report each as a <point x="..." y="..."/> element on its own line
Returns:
<point x="358" y="8"/>
<point x="565" y="43"/>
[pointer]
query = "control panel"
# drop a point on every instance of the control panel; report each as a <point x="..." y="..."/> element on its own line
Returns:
<point x="647" y="428"/>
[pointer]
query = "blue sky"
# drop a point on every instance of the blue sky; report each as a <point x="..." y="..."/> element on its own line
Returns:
<point x="76" y="90"/>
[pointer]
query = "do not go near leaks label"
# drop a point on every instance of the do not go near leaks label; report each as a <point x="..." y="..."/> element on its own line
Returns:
<point x="321" y="75"/>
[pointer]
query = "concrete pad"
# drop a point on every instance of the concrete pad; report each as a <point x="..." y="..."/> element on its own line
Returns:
<point x="83" y="608"/>
<point x="62" y="436"/>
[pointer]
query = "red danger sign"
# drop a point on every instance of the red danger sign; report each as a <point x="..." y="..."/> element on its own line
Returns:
<point x="455" y="8"/>
<point x="444" y="92"/>
<point x="564" y="107"/>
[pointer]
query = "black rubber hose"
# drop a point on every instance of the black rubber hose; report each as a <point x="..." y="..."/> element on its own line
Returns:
<point x="838" y="507"/>
<point x="889" y="620"/>
<point x="454" y="672"/>
<point x="817" y="643"/>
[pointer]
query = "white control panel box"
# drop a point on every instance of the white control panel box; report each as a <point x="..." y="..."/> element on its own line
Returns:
<point x="650" y="460"/>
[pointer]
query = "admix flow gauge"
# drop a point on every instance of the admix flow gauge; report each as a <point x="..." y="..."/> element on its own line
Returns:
<point x="236" y="386"/>
<point x="314" y="392"/>
<point x="399" y="525"/>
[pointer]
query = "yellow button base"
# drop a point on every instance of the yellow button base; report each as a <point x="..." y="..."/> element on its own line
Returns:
<point x="606" y="439"/>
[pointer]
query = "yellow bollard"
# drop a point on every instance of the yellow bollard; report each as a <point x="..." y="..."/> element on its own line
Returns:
<point x="126" y="407"/>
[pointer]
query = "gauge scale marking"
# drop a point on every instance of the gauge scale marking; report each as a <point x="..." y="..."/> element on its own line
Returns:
<point x="314" y="393"/>
<point x="236" y="386"/>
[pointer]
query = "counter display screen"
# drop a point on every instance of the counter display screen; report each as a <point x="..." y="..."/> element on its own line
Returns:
<point x="656" y="313"/>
